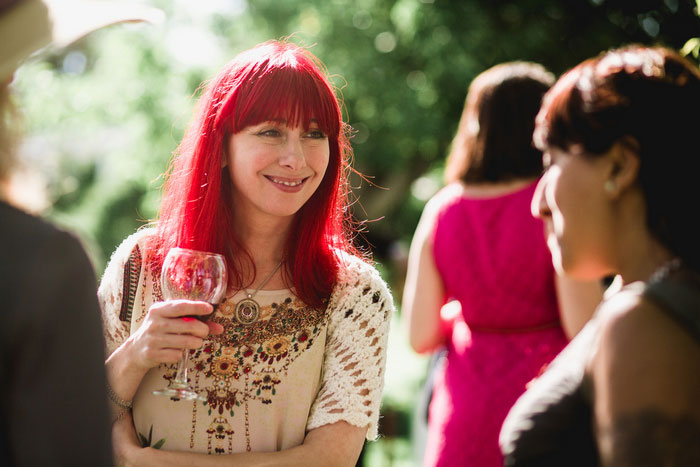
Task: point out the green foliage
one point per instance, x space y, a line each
107 113
692 46
105 116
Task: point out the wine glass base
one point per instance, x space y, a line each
180 393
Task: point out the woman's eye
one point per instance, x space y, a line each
269 132
316 134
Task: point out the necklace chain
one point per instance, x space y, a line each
267 279
664 270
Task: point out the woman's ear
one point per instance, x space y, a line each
624 166
225 147
224 154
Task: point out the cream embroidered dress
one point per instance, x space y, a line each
297 368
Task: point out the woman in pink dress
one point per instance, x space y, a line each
477 243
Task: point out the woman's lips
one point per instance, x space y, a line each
287 184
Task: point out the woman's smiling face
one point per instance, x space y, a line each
275 168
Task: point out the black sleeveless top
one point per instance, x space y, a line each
552 423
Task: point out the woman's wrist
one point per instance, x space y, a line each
120 406
131 364
123 375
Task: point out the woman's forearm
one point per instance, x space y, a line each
297 456
338 444
123 379
424 292
122 374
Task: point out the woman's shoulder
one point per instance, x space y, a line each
139 239
446 196
357 277
630 315
644 354
439 203
137 243
354 270
627 317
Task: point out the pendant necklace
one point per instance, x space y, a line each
248 310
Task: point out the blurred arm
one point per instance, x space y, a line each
645 388
337 444
424 292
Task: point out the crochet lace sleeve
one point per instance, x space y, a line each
120 276
355 355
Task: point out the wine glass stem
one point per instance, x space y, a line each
181 376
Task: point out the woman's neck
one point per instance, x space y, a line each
639 254
640 257
264 240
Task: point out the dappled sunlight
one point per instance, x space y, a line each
104 116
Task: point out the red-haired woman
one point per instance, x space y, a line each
260 177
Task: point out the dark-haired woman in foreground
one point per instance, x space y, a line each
619 135
260 178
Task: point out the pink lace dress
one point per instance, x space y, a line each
492 256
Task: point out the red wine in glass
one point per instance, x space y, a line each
191 275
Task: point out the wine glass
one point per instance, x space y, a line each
191 275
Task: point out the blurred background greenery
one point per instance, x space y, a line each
103 117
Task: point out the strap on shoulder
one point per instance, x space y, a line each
132 273
679 296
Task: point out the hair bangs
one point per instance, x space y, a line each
275 81
290 94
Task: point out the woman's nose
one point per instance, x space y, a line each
293 153
538 205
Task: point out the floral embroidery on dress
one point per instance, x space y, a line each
218 432
260 353
256 399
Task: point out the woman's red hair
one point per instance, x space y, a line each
275 80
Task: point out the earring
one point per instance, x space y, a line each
610 186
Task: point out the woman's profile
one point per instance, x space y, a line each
618 133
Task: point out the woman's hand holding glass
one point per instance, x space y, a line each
191 281
168 329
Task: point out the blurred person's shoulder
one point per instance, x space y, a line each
647 356
42 268
632 314
21 228
26 239
446 197
448 194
